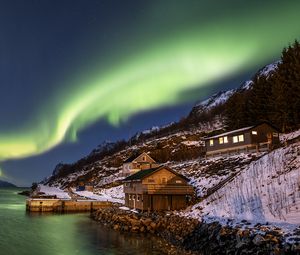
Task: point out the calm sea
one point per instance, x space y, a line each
68 234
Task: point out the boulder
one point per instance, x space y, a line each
258 240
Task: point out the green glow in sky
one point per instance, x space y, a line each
157 74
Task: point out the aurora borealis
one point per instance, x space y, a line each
134 57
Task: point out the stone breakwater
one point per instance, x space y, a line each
194 237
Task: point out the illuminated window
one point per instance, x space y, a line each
275 134
254 132
241 138
211 142
129 197
225 139
221 140
178 181
235 139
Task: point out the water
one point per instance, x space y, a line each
69 234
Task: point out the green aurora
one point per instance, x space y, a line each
156 74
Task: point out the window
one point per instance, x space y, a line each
221 140
129 197
241 138
151 180
225 139
133 197
211 142
178 181
254 132
138 198
144 158
164 180
235 139
275 134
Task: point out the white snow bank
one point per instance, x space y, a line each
192 143
265 191
114 192
51 191
98 197
289 136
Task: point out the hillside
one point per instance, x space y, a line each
176 142
4 184
264 192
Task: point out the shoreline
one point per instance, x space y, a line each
190 236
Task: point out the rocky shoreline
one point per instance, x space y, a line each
189 236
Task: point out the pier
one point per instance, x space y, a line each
64 205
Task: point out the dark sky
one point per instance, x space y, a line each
74 73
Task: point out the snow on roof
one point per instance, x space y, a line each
230 132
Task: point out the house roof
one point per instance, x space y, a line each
131 158
134 156
240 130
230 132
147 172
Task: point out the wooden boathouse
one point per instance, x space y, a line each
157 189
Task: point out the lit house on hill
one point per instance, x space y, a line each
138 162
255 138
157 189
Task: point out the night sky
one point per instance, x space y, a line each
74 73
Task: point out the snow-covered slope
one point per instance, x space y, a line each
268 69
215 100
267 190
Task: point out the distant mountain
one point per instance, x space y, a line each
221 97
4 184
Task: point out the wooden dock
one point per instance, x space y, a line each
64 205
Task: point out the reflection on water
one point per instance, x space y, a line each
68 234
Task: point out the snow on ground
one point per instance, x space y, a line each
124 208
289 136
193 143
51 191
114 192
247 85
99 196
267 190
269 69
216 99
207 173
